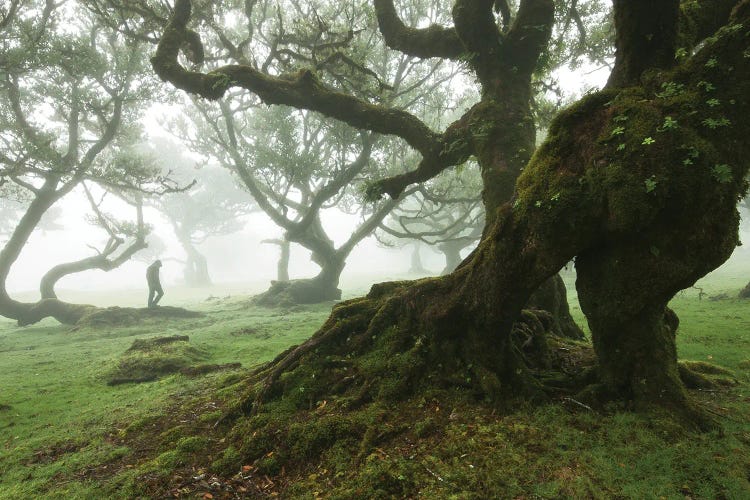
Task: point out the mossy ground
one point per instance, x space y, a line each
65 433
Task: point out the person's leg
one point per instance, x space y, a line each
151 293
159 295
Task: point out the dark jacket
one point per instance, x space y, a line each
152 275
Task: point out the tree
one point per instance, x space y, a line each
639 182
214 207
69 92
112 254
295 164
448 216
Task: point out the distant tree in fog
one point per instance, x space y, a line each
215 206
297 164
447 214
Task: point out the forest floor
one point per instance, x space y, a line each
66 433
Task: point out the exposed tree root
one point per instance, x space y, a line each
294 292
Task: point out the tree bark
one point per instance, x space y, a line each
416 266
101 262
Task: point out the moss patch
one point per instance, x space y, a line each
148 359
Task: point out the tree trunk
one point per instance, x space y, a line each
321 288
282 267
25 313
196 266
552 296
196 269
100 261
452 252
416 260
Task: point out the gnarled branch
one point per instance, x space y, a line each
433 41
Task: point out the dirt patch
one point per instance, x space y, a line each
5 407
252 331
55 452
148 359
126 316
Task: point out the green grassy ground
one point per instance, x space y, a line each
59 419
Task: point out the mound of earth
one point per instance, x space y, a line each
126 316
149 359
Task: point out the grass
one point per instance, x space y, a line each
60 424
57 413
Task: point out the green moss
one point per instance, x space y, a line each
149 359
174 434
191 444
425 427
228 463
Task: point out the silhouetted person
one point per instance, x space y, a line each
155 292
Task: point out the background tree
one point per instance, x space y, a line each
215 207
124 239
447 215
295 164
69 94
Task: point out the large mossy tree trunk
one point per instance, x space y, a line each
646 208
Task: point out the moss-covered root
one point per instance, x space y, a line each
303 291
402 339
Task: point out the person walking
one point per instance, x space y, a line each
155 291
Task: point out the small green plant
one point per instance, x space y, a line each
621 147
670 89
620 118
617 131
707 86
713 102
648 141
712 63
669 124
722 173
714 123
681 53
222 81
651 184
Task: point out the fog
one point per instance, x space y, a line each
240 261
